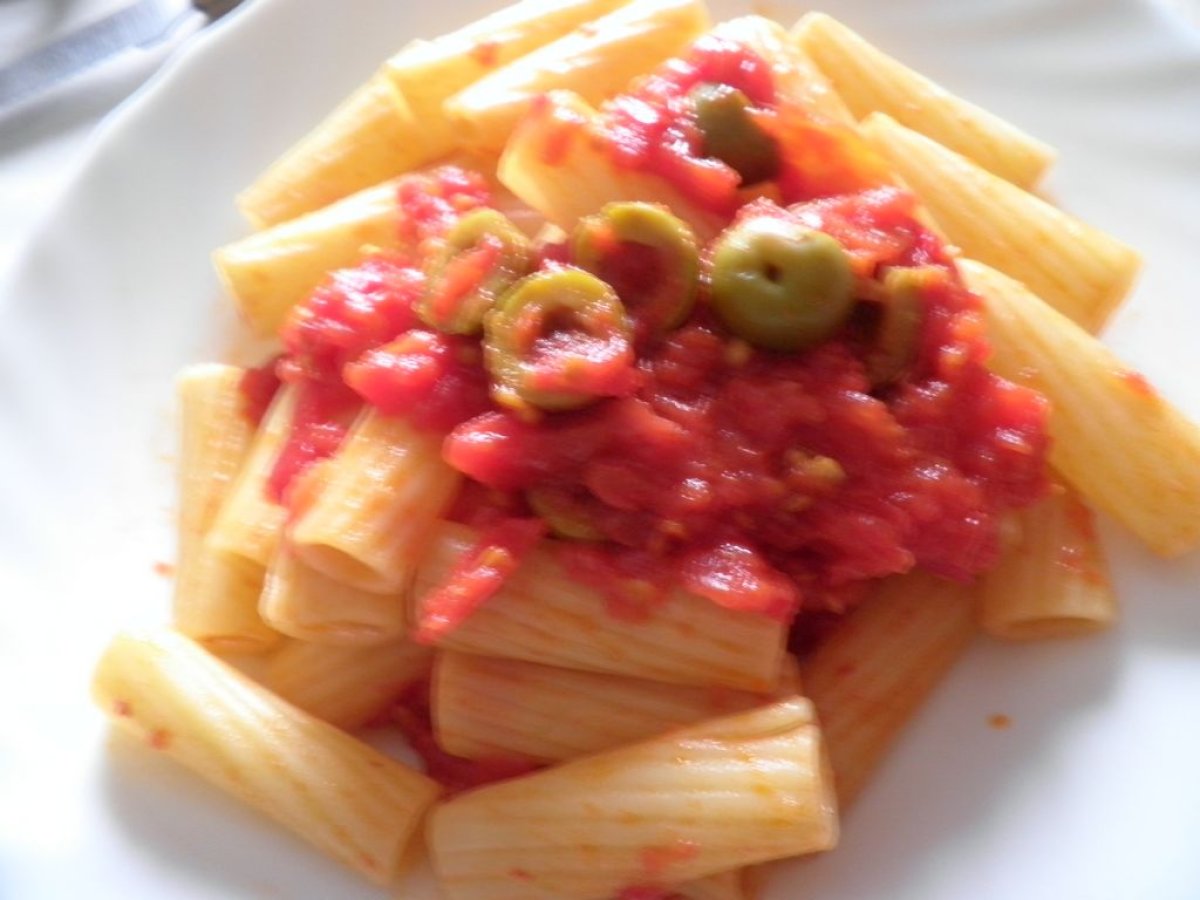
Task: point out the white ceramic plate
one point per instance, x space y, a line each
1091 794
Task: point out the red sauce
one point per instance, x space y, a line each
352 312
767 482
657 861
477 576
258 387
435 380
771 482
1138 384
164 569
430 203
323 413
486 53
653 129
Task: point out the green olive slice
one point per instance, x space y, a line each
564 513
729 133
482 255
648 255
897 336
558 339
780 285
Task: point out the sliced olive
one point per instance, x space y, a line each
648 255
564 512
780 285
558 339
482 255
729 133
898 334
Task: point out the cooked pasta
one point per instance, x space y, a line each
374 505
216 594
1054 581
547 616
485 706
869 80
1120 444
728 792
1077 269
346 686
332 790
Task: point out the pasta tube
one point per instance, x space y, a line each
369 137
303 603
505 707
557 163
428 73
1122 446
725 793
1080 271
596 63
345 686
334 791
543 614
869 80
216 594
1054 582
248 525
374 502
869 677
798 82
271 271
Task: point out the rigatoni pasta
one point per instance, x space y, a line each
869 80
872 673
346 686
545 615
1075 268
249 523
1151 482
583 178
429 73
487 706
371 136
270 271
303 603
1054 581
647 814
216 594
374 504
594 63
329 788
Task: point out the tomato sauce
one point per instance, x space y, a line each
257 387
771 483
653 129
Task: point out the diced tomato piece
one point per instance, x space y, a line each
477 577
